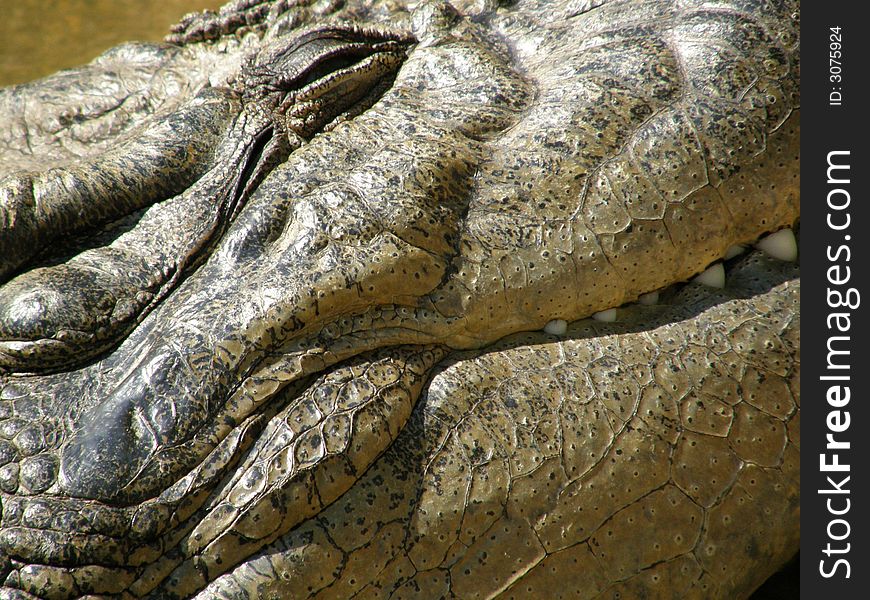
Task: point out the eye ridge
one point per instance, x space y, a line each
287 66
311 80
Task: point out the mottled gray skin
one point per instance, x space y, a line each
261 341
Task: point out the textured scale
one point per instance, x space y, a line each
284 373
518 472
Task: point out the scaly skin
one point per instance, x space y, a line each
613 464
314 399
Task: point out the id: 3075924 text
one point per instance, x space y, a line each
835 66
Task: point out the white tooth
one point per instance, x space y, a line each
556 327
735 250
649 299
714 276
606 316
780 245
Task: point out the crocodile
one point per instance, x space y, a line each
370 299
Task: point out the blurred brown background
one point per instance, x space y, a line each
38 37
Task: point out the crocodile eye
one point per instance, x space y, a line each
323 68
314 55
311 80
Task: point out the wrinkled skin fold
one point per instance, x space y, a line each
273 292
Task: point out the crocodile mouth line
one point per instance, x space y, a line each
240 444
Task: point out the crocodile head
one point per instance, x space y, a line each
266 283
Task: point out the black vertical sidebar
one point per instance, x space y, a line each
835 300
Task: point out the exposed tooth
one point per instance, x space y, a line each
649 299
606 316
735 250
714 276
780 245
556 327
